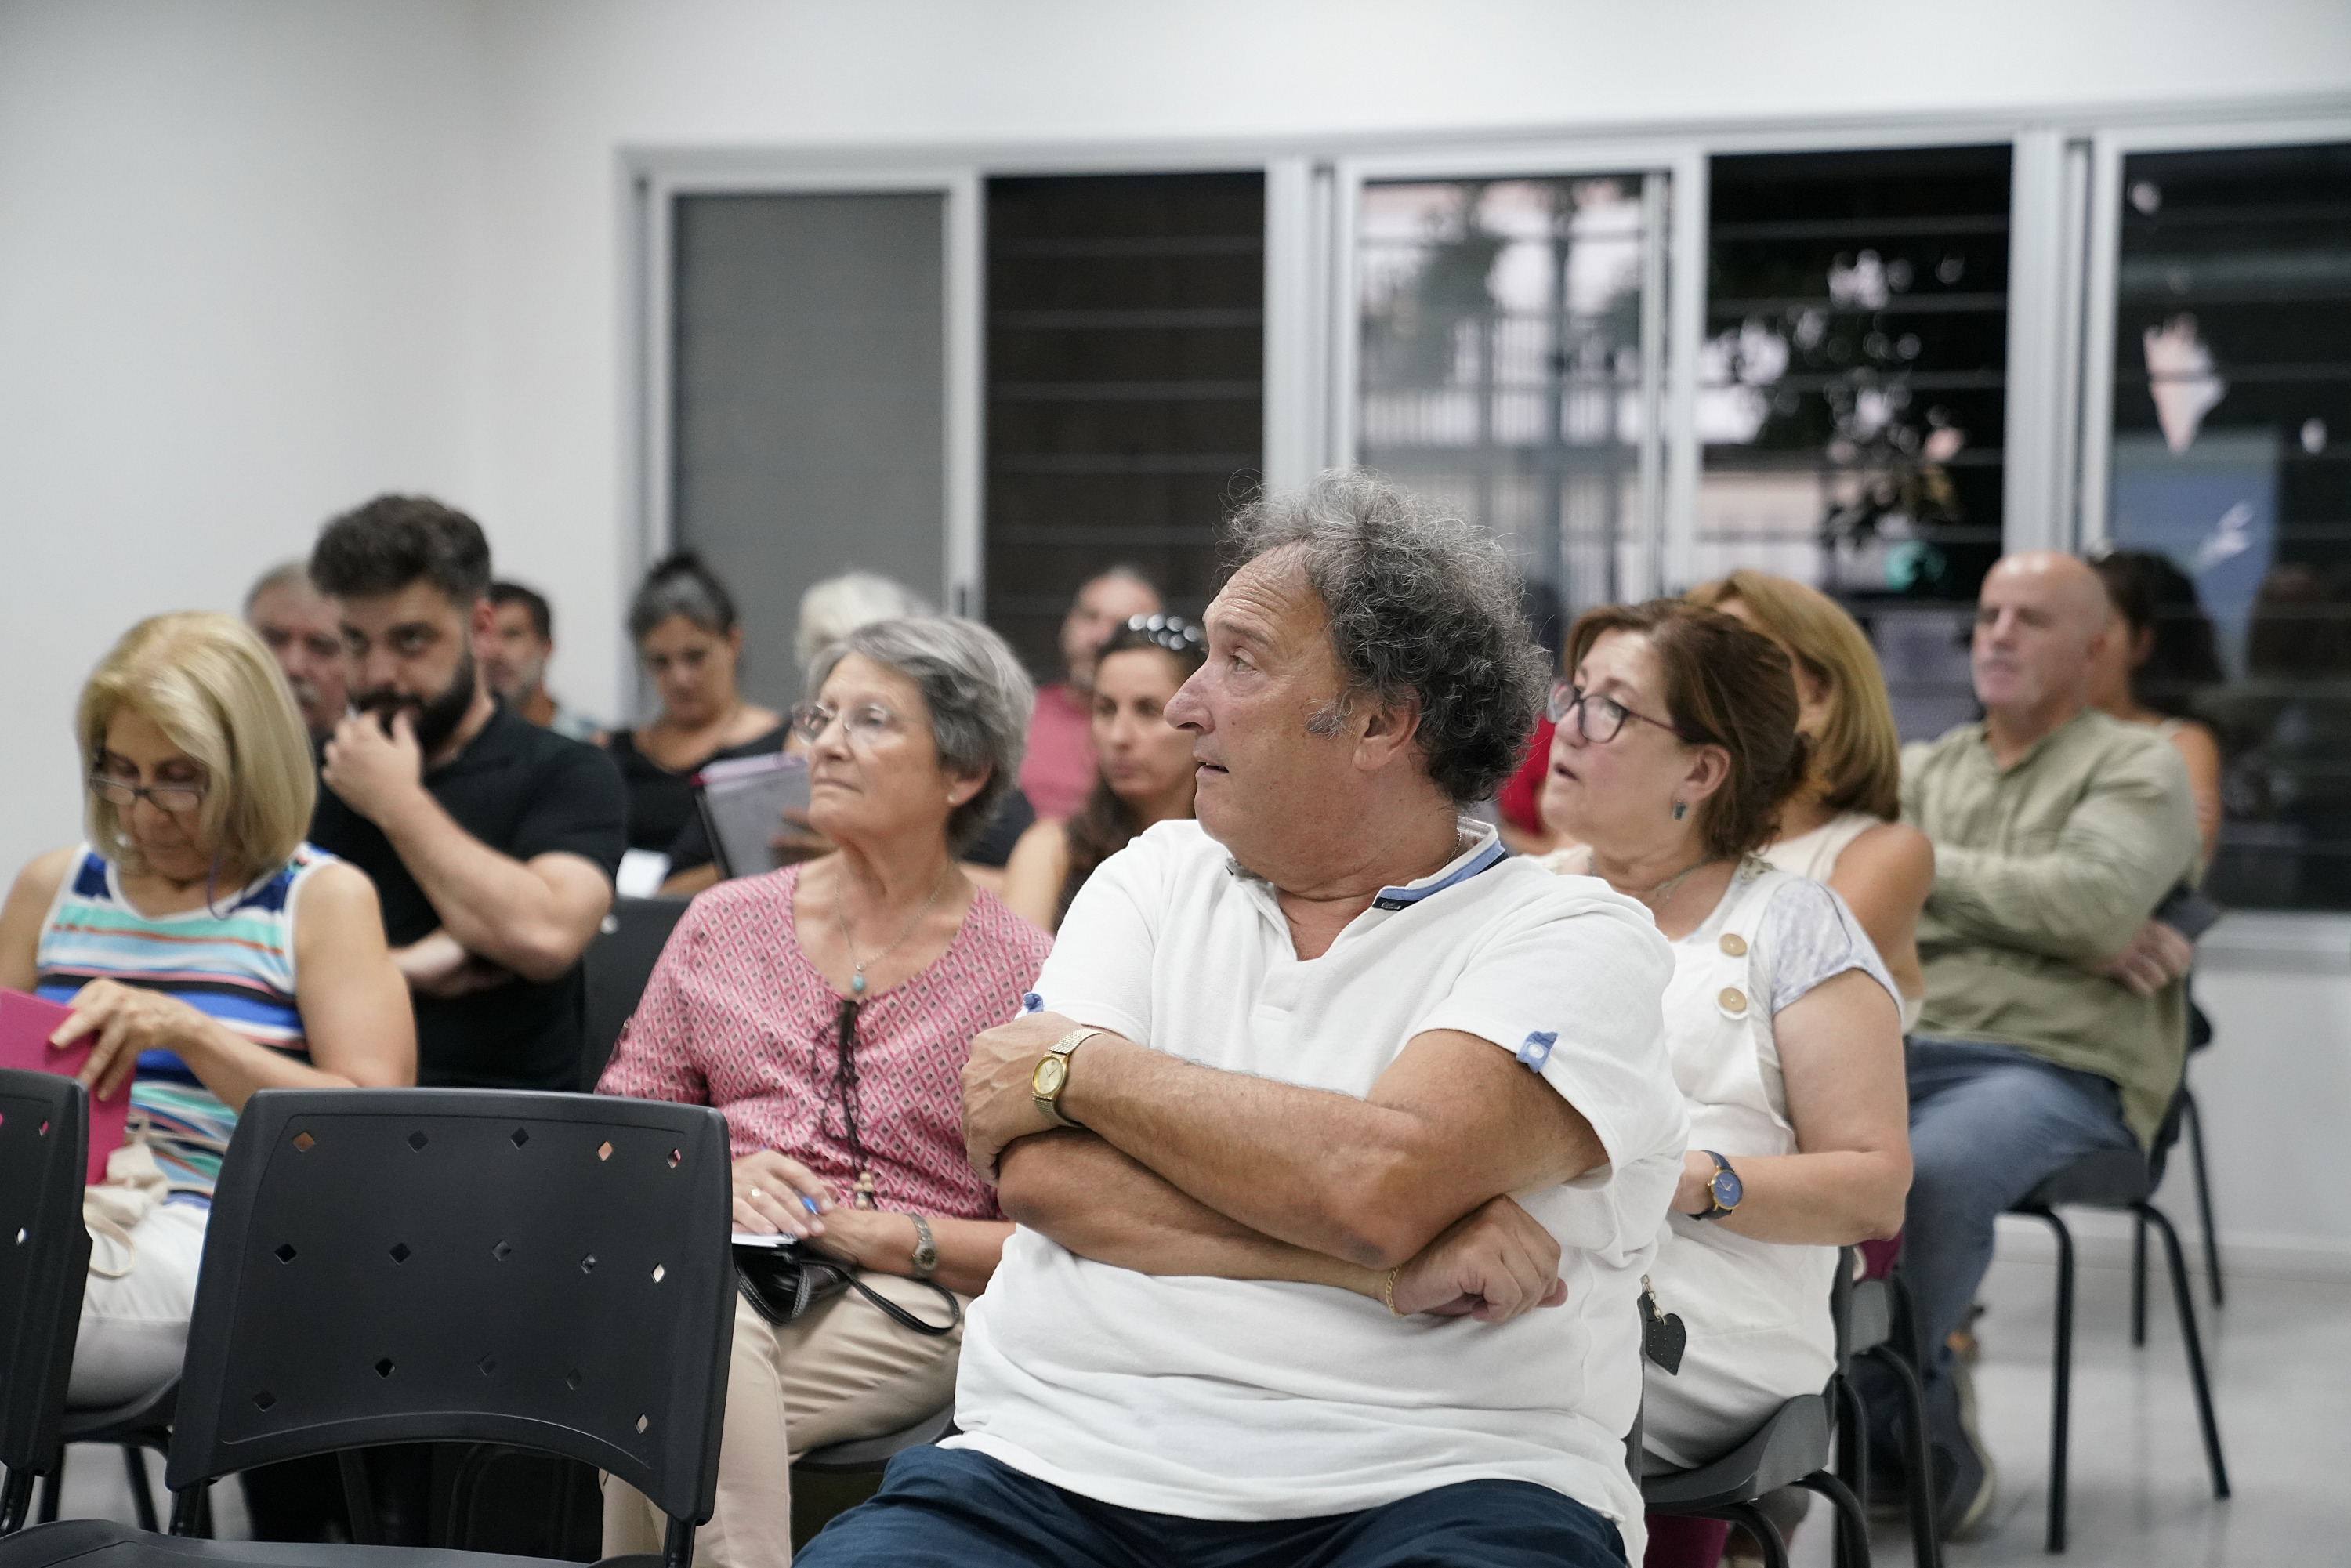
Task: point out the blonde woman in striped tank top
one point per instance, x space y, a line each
1843 826
205 948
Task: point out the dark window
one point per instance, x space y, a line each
1126 385
2231 410
1852 392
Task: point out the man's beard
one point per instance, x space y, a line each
436 718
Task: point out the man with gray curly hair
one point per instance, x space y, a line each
1337 1141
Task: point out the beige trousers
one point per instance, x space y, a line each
844 1370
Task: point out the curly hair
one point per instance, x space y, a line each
1421 605
1727 685
391 541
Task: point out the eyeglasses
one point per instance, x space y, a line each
865 724
162 796
1601 719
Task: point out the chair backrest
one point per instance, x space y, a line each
406 1265
43 1258
618 964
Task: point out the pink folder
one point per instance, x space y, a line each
25 1025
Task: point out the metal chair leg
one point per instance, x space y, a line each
2195 1344
53 1486
1852 1525
15 1498
1917 1459
1853 1436
1755 1522
142 1496
2062 1384
2138 1280
2194 1116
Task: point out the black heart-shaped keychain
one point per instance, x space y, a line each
1663 1338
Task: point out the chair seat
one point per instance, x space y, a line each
2104 1178
1790 1445
871 1453
102 1544
113 1423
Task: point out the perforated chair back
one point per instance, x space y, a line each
44 1259
407 1265
617 962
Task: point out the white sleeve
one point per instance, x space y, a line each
1807 936
1098 972
1575 990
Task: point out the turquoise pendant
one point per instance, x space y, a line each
857 984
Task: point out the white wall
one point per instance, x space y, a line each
260 260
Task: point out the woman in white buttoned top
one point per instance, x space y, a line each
1676 749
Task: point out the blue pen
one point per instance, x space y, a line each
807 1203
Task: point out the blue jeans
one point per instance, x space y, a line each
952 1508
1988 1124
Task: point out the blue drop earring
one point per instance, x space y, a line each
1681 810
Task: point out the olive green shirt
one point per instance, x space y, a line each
2040 868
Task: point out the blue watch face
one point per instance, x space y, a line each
1727 1189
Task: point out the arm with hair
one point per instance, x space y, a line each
2081 898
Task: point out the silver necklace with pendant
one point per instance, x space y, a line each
849 944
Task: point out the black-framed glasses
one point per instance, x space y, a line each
1599 719
162 796
863 723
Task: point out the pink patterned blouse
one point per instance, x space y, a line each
735 1016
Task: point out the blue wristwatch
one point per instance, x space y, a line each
1724 1189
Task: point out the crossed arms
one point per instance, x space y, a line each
1186 1169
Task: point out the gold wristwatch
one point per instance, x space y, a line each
1053 1074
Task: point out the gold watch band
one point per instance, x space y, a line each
1053 1074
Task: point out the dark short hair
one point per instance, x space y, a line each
542 614
1421 604
395 541
1727 685
680 584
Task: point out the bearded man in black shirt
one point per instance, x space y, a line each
492 842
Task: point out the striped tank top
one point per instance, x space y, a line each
233 961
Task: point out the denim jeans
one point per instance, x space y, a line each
1988 1124
952 1508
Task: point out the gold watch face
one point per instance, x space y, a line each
1050 1074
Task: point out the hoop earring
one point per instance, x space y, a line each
1681 810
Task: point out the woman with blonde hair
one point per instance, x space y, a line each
1843 826
205 951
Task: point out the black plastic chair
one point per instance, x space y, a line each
44 1260
2113 1180
1879 1325
617 965
1790 1449
396 1266
2184 1116
134 1427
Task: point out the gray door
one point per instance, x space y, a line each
808 437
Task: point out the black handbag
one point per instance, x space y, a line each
783 1282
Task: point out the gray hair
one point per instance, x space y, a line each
979 698
681 584
285 574
834 608
1421 605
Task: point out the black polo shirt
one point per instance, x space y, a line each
524 791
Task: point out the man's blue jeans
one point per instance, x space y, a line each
952 1508
1988 1124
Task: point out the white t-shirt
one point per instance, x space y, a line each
1261 1400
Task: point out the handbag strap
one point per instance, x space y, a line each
907 1319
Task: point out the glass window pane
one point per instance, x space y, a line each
2232 400
1852 393
1500 365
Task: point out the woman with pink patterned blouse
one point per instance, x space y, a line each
827 1009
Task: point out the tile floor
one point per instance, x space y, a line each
2282 1374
